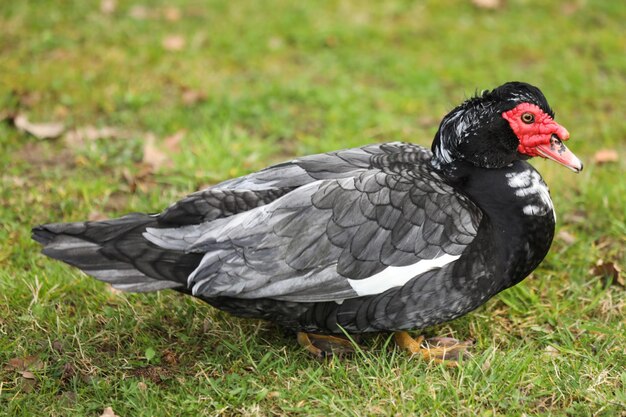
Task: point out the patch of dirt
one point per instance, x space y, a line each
156 374
38 155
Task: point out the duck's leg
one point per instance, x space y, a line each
444 350
322 346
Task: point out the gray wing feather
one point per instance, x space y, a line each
238 195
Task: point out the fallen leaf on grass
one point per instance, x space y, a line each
566 237
609 270
139 12
604 156
68 372
114 290
191 97
108 412
142 180
57 346
569 8
39 130
172 143
24 367
117 200
82 135
604 242
488 4
23 364
96 215
169 357
155 374
29 99
173 43
152 155
172 14
108 6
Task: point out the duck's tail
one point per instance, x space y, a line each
116 252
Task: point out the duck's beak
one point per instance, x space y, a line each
558 152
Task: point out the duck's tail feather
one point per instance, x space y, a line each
116 252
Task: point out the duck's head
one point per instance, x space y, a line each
511 122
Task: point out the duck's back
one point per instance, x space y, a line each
334 227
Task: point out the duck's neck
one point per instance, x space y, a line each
518 217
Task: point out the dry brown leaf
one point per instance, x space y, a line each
569 8
39 130
604 156
191 97
488 4
27 374
68 372
108 6
172 14
82 135
108 412
29 99
23 364
566 237
155 374
173 43
604 242
118 200
113 290
96 215
172 143
611 270
142 180
169 357
57 346
139 12
152 155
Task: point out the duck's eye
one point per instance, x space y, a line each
528 118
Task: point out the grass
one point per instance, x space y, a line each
280 79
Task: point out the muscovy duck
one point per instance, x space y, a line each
386 237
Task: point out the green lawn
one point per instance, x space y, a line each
251 83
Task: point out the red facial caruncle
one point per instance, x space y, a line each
540 135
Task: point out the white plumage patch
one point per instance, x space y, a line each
529 183
397 276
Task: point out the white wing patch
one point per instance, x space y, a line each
529 183
397 276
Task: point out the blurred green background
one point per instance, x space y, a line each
152 100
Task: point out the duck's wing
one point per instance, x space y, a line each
260 188
331 238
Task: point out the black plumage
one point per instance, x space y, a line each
384 237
